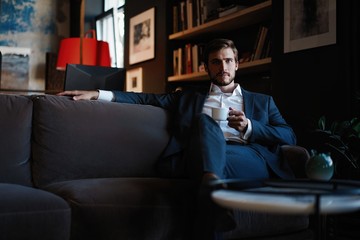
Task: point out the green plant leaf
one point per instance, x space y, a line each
355 122
322 123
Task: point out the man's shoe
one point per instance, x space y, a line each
209 178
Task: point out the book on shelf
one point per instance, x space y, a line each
202 16
183 16
177 61
195 57
210 9
224 11
255 43
191 13
197 12
260 44
266 51
175 19
187 59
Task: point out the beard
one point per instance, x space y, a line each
222 79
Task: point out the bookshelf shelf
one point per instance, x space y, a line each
244 68
249 16
255 66
197 76
242 18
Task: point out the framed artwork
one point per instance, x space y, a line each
134 80
142 37
309 24
15 70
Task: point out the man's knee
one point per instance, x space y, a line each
206 123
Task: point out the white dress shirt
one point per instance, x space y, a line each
216 98
106 95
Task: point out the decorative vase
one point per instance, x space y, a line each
319 166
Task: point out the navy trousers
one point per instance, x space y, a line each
208 151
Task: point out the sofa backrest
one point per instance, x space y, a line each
95 139
15 134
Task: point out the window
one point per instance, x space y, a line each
109 4
110 27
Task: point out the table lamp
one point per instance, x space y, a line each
86 51
83 50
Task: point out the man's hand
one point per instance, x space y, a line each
81 95
237 120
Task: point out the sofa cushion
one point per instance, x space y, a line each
29 213
128 208
15 133
95 139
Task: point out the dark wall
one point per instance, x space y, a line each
93 8
319 81
75 7
154 70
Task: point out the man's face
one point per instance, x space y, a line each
222 67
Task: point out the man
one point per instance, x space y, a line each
246 146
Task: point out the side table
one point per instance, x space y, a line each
300 196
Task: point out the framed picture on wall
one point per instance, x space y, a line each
309 24
134 80
15 71
142 37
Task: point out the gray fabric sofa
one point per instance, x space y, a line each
26 212
87 170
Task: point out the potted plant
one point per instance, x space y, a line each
342 140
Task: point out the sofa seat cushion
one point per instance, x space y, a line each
29 213
127 208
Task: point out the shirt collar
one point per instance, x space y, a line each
214 90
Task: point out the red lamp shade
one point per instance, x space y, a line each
103 54
93 52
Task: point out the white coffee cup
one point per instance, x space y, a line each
219 113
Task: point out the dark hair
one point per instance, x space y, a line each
216 45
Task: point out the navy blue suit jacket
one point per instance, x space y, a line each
269 129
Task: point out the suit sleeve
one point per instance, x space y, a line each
268 125
166 101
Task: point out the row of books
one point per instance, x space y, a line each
191 13
262 46
187 59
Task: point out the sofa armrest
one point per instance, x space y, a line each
296 156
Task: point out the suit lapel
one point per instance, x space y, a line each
200 101
248 100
